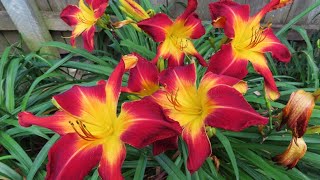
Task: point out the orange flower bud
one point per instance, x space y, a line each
297 112
293 154
133 10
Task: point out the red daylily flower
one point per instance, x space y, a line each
143 79
215 103
249 42
175 37
83 19
91 131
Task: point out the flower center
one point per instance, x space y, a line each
179 43
245 42
83 131
82 18
187 109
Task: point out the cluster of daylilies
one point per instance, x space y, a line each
169 102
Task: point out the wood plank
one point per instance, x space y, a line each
297 7
6 22
278 16
29 22
2 7
3 43
58 36
314 16
256 6
13 37
74 2
57 5
51 19
43 5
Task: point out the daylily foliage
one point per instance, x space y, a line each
168 101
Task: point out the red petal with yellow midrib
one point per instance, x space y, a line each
165 145
114 153
231 111
156 26
88 38
143 78
99 6
224 62
199 148
69 15
59 122
75 100
72 158
226 14
147 124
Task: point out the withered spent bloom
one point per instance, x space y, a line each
297 112
293 153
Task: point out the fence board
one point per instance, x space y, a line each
3 42
314 16
6 22
1 7
29 22
57 5
13 37
50 10
43 5
278 16
297 8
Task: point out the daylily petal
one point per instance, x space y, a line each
156 26
114 153
193 27
69 15
147 115
297 112
192 6
272 5
281 4
296 150
224 62
179 78
272 44
230 110
82 101
95 4
164 145
143 78
99 6
168 50
229 15
260 65
67 157
211 80
59 122
113 86
198 144
78 30
88 38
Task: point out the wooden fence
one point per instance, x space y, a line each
38 20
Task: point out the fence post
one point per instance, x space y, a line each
29 22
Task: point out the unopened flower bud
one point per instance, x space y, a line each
297 112
293 154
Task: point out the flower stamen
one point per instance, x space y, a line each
84 133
